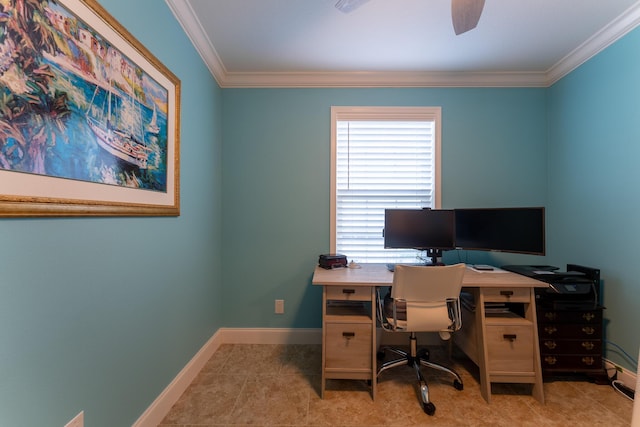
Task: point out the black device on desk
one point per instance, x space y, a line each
578 286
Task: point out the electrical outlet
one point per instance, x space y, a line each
279 306
77 421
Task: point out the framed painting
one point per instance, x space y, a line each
89 118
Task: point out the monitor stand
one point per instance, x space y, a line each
435 255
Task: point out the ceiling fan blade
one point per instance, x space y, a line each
465 14
347 6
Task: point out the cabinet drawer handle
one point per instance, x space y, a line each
550 344
348 291
506 293
550 330
348 335
550 360
588 361
588 345
509 337
550 316
588 330
588 316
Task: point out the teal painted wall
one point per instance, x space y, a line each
83 327
100 314
276 178
594 203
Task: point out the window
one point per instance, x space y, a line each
381 157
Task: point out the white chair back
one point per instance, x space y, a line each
428 293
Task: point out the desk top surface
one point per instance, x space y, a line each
379 275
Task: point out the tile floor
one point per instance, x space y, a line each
279 385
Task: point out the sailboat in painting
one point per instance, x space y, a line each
153 127
114 115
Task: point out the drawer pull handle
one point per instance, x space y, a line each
588 345
348 335
506 293
588 330
509 337
550 330
588 316
348 291
550 316
588 361
550 344
550 360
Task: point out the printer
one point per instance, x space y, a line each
578 287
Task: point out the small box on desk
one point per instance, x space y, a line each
330 261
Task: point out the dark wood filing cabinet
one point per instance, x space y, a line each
570 321
571 340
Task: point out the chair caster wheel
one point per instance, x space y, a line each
429 408
457 385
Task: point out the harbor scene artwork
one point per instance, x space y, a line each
74 106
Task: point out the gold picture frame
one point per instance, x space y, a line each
89 118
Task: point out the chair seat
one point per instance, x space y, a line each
437 315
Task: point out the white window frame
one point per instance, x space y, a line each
339 113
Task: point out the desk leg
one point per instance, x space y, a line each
374 344
324 340
530 314
483 354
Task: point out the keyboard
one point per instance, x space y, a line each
392 266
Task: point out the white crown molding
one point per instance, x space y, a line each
225 79
191 25
616 29
383 79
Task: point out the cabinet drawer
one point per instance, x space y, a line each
507 294
565 346
346 293
571 362
348 346
510 348
553 316
570 330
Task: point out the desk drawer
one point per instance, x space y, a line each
348 346
348 293
510 348
507 294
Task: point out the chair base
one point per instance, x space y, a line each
415 360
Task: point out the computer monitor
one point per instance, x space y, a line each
431 230
516 230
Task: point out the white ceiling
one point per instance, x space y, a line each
309 43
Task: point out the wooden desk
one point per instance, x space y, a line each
505 347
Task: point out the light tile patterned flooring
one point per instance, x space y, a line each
279 385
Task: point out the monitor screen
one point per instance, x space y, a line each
518 230
419 228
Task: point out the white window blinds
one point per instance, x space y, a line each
383 158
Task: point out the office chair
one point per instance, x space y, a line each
422 299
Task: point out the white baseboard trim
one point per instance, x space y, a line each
271 335
170 395
627 377
161 406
